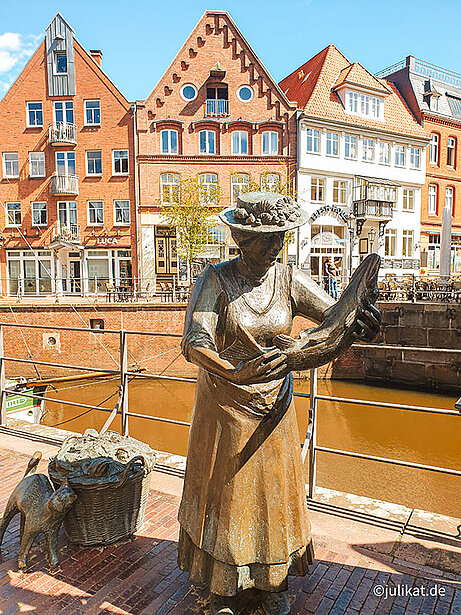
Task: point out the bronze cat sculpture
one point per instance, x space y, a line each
42 511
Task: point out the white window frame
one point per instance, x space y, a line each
399 155
40 163
332 144
269 138
67 105
210 142
45 209
384 153
432 197
234 184
434 149
408 199
339 192
168 182
91 110
350 143
8 223
10 164
87 167
169 149
208 186
313 140
240 138
365 105
368 145
450 197
114 161
34 111
390 242
318 188
125 222
96 210
407 243
57 53
68 154
415 157
451 150
270 182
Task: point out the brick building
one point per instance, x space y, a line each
361 167
433 94
67 198
218 115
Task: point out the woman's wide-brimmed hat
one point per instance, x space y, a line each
264 212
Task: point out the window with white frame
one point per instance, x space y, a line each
408 200
332 144
169 141
60 62
65 163
208 183
384 153
34 114
92 112
451 151
339 192
365 105
390 242
353 102
239 142
407 244
368 150
39 214
11 164
432 199
122 212
119 162
399 155
64 111
449 194
95 213
415 157
207 142
313 141
13 214
270 143
37 164
270 182
94 162
217 235
434 149
239 183
350 147
169 188
317 189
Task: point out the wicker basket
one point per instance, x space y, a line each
106 509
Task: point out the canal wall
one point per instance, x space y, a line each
411 325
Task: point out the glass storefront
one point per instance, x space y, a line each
29 273
433 253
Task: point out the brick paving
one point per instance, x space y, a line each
140 577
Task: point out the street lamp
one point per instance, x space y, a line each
371 237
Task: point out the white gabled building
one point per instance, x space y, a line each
361 166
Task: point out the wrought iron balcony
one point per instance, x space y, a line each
61 133
216 107
66 232
64 184
377 210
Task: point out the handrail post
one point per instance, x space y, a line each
313 439
124 382
2 381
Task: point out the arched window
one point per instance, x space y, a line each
169 141
270 182
270 143
432 199
239 183
169 188
240 142
450 199
451 152
208 188
434 149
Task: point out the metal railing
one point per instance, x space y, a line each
62 132
309 446
216 107
64 184
66 232
373 209
414 288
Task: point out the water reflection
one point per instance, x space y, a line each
413 436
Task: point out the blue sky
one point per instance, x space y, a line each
139 39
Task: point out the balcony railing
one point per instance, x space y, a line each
64 184
66 232
216 107
61 133
373 209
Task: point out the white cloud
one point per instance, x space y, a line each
10 40
15 50
7 61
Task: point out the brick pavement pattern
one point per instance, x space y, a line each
140 577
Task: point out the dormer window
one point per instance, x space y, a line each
365 105
61 62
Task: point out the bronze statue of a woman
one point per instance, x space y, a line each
243 515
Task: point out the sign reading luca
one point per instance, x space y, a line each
107 241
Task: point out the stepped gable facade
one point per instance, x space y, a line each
361 166
67 198
218 115
433 94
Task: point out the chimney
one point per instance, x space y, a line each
96 54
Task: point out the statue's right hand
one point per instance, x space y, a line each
268 366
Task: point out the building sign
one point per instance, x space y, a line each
329 209
106 241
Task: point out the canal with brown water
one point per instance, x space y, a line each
421 437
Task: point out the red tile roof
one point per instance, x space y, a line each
313 86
